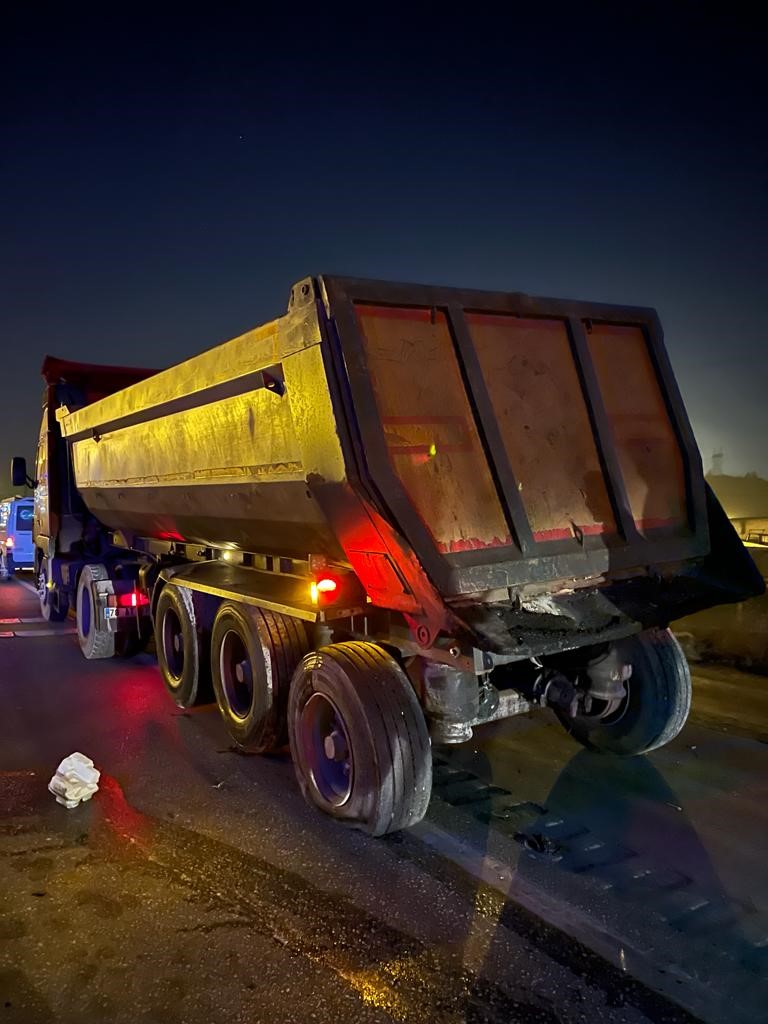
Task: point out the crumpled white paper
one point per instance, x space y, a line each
76 779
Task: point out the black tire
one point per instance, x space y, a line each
95 642
181 647
54 605
657 703
130 642
253 656
359 740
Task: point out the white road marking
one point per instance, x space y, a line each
46 632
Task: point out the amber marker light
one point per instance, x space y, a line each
325 585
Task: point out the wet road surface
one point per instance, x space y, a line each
197 886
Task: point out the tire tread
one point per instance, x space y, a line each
396 728
100 643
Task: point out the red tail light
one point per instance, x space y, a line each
133 599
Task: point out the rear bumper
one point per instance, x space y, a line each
618 608
25 562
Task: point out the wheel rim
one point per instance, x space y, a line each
236 674
326 749
608 712
42 586
173 646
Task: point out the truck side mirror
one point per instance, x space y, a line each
19 476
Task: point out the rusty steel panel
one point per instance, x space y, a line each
438 377
430 433
648 451
536 395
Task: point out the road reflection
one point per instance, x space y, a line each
612 845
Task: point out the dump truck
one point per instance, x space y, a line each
388 517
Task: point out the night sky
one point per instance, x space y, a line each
165 180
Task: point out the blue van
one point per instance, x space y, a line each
17 547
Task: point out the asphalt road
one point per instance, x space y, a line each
546 884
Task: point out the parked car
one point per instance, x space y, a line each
17 548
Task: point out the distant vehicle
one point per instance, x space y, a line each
392 515
17 546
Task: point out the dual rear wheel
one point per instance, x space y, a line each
253 656
357 735
245 661
181 646
359 740
96 641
